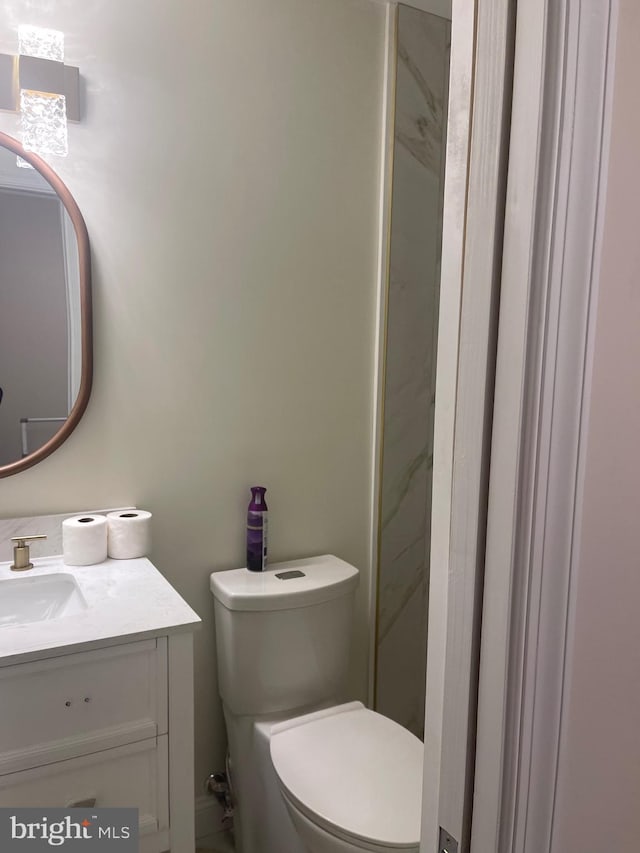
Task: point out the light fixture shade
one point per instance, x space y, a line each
43 123
40 42
42 80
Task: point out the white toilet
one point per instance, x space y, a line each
309 775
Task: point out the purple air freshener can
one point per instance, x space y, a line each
257 530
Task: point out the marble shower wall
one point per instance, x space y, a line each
414 282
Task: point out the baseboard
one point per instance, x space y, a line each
208 816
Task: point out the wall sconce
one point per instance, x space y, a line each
44 90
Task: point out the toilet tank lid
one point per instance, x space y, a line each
285 586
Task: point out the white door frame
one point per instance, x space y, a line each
564 62
479 103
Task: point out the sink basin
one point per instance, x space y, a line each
34 599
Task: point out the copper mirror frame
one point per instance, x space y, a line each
86 340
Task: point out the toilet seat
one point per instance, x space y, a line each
353 772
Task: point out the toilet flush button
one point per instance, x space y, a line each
294 573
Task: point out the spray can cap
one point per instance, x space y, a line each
257 498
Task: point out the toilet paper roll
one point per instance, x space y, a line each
84 540
129 534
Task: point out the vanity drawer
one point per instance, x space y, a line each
77 704
133 776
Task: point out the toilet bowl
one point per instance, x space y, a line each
351 780
310 774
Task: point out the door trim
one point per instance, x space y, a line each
479 103
564 63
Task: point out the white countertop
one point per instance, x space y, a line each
127 600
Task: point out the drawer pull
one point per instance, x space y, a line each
68 703
87 698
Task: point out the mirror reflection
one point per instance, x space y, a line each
40 322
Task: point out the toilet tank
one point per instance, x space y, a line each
283 636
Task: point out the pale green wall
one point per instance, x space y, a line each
227 167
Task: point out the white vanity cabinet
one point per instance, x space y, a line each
110 726
107 721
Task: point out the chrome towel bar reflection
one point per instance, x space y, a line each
24 423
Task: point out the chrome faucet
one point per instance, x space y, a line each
21 561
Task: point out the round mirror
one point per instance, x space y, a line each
45 310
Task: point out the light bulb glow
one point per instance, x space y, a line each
43 123
43 113
40 42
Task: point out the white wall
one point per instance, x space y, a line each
227 167
599 774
